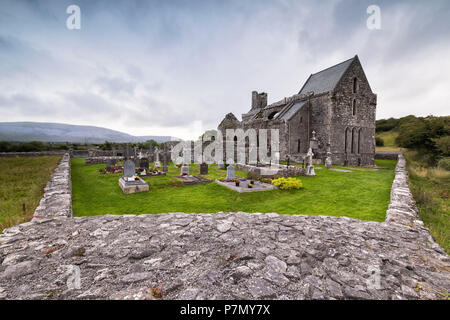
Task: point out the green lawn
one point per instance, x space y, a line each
363 194
22 182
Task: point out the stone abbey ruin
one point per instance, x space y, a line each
336 105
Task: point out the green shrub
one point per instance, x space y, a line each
444 163
5 146
387 124
443 145
379 142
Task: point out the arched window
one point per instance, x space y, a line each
346 140
354 107
355 85
298 145
301 119
359 141
353 141
235 139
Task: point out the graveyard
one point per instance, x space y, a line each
362 193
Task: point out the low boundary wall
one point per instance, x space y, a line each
31 154
57 199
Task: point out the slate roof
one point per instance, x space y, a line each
290 110
326 80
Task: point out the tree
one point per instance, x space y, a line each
5 146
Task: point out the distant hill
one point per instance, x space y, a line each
58 132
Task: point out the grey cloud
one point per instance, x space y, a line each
115 86
137 65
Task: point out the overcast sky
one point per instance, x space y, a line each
178 67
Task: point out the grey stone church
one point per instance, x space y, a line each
334 113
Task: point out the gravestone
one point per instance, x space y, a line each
204 168
135 156
130 183
309 167
111 163
313 142
157 163
150 152
230 173
143 163
165 158
328 162
184 170
129 169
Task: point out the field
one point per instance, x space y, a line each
389 142
363 194
22 182
430 187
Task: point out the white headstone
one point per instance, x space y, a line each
310 168
185 170
230 172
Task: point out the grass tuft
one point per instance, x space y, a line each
22 183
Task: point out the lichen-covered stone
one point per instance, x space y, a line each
223 255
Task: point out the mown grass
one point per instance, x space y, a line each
362 194
430 187
22 182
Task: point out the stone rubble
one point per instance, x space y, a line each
221 255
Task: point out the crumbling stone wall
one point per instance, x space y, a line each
387 155
57 199
31 154
100 160
284 171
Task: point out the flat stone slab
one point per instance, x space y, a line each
341 170
153 174
220 256
192 180
243 186
129 187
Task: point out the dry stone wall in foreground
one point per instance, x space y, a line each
221 255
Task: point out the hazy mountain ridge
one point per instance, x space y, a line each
59 132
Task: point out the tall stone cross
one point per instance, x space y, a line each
165 158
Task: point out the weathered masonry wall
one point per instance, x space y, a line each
402 207
100 160
31 154
57 199
283 171
387 155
